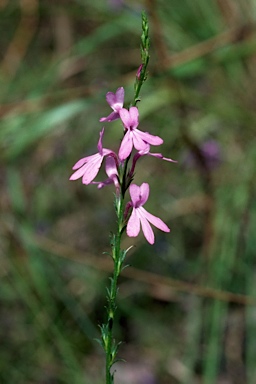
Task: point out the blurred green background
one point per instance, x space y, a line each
187 305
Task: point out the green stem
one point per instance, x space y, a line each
118 255
110 345
144 49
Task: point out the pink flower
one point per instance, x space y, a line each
116 102
139 196
143 153
112 172
133 136
88 167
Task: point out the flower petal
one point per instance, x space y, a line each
144 193
125 117
111 98
85 160
81 162
86 167
99 146
76 175
146 228
160 156
116 100
139 195
119 98
126 146
156 221
102 184
134 117
91 170
148 138
134 193
110 167
133 225
138 143
113 116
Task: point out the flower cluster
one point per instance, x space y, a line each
116 166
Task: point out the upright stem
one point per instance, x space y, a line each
110 346
144 50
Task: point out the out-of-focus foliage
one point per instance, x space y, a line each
187 304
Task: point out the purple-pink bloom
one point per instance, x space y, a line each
88 167
112 172
139 216
116 102
133 136
143 153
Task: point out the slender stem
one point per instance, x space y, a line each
118 255
144 49
110 345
